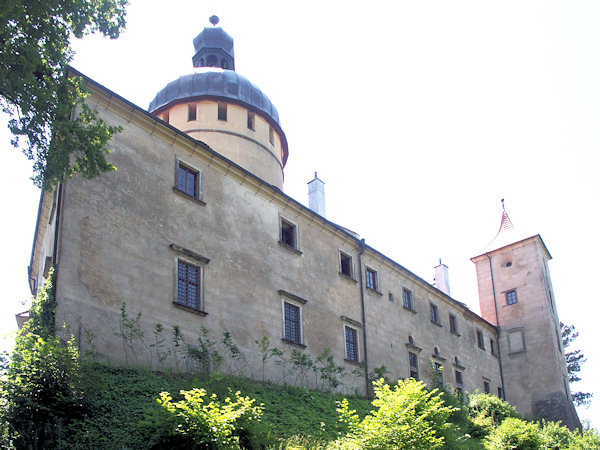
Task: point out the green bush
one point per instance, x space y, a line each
407 417
514 433
202 421
487 412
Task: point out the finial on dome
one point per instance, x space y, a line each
214 20
502 201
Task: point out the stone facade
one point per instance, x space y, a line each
263 264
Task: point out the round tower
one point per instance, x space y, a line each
218 106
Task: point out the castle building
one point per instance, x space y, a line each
193 230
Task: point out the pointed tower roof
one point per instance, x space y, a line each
507 235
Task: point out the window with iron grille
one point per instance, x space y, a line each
292 323
187 180
413 363
351 336
371 279
346 265
288 234
407 299
188 285
511 297
434 313
458 377
453 327
480 340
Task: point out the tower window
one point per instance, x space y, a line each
511 297
191 112
271 135
165 116
222 112
224 64
250 121
211 61
346 265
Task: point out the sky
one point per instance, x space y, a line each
418 116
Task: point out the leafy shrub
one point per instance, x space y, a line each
554 436
487 412
585 440
196 422
514 433
407 417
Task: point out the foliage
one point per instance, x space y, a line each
35 51
202 420
514 433
553 435
487 412
266 353
206 354
407 417
327 371
574 361
129 331
40 388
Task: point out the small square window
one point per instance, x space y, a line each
458 377
486 387
251 119
453 326
188 180
351 338
511 297
288 234
222 111
413 363
346 265
434 313
480 340
189 286
407 299
191 112
292 323
371 279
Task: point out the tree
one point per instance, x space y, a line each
40 97
574 360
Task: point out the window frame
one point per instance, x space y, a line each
371 282
453 323
198 193
480 339
251 121
295 235
347 356
434 313
193 259
192 112
511 297
458 378
343 255
287 337
408 299
222 111
415 367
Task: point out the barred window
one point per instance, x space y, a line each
413 363
351 336
188 285
187 180
292 323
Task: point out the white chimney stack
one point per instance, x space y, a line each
316 196
442 282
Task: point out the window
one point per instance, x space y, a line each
191 112
499 392
407 299
166 116
458 377
188 285
486 387
413 363
271 135
371 279
292 323
351 337
439 374
222 112
346 265
288 234
480 340
453 328
391 297
188 180
434 313
493 347
511 297
250 121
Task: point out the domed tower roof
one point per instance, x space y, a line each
215 79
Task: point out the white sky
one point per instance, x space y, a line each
419 117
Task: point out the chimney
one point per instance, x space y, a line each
442 281
316 196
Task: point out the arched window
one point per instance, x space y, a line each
411 341
224 64
211 61
436 351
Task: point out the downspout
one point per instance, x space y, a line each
497 327
364 315
57 226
